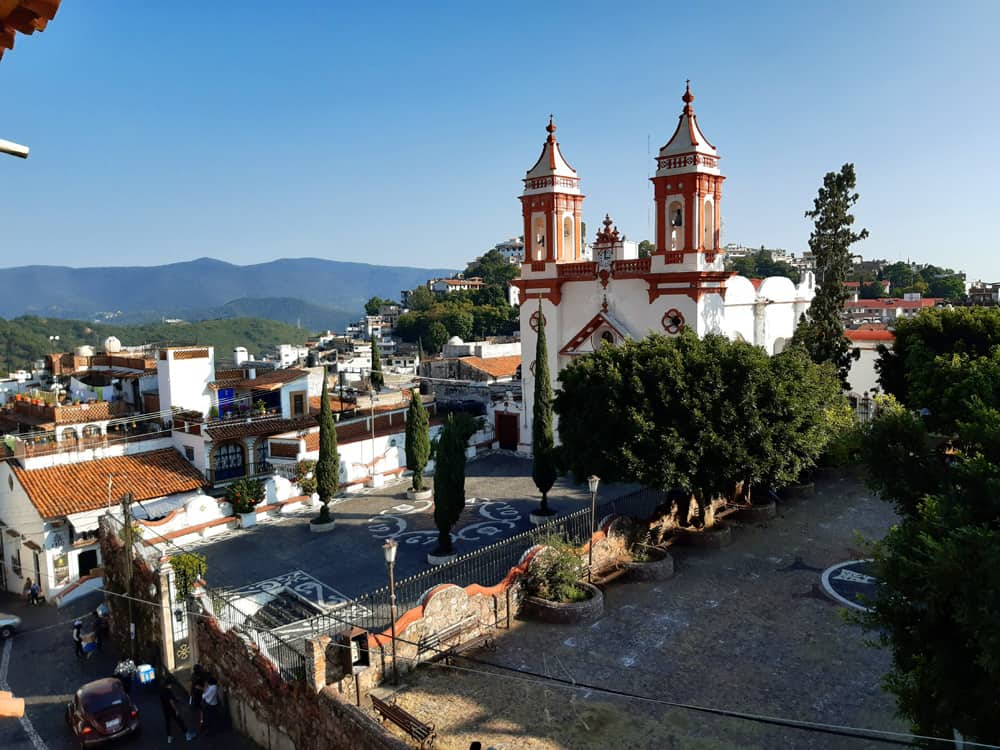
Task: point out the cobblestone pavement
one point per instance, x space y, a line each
746 628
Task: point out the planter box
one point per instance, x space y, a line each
424 494
659 567
757 511
718 536
433 559
322 528
248 520
566 613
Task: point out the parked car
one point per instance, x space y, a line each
8 624
101 711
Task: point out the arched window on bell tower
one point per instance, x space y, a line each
675 225
567 239
538 238
709 224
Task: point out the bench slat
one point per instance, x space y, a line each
404 720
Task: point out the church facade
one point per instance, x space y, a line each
615 295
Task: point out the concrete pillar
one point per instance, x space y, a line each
166 615
316 662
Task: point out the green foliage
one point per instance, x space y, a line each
376 377
555 572
449 477
305 476
822 332
188 568
25 339
646 248
543 442
871 290
245 495
847 438
418 439
328 465
436 338
421 298
972 331
494 269
696 414
761 265
373 305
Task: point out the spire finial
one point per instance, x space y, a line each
551 127
688 96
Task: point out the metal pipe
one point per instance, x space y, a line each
14 149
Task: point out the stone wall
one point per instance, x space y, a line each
281 715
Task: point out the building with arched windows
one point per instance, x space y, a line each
614 295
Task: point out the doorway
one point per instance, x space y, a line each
507 432
86 561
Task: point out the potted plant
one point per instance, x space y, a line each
553 585
418 447
305 478
245 495
646 562
706 531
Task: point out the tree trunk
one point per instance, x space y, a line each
444 541
544 505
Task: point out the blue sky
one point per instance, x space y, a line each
399 133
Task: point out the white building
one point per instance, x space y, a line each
587 304
512 250
290 355
863 377
447 286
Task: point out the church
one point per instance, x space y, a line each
614 295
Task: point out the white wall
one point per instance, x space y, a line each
198 443
184 382
862 376
20 515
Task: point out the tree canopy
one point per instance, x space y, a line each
543 442
494 269
761 264
418 440
822 330
702 415
929 280
328 464
449 476
376 377
373 305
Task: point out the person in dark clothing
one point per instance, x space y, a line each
78 637
170 715
198 683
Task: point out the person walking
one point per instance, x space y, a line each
34 592
78 637
210 705
171 715
198 684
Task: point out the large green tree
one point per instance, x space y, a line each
449 477
701 415
328 464
761 264
543 442
494 269
822 330
376 377
418 440
421 298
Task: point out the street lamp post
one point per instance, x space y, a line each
389 549
592 481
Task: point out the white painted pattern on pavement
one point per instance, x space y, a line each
26 725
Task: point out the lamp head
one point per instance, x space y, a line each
389 550
592 481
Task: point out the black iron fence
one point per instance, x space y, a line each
291 661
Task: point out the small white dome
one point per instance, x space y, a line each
455 340
84 351
112 345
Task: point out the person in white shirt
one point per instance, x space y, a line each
210 705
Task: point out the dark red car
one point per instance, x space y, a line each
100 712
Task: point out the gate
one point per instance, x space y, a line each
507 432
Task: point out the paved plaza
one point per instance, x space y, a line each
348 561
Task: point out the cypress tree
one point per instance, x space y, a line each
543 442
328 465
449 481
377 380
821 331
418 441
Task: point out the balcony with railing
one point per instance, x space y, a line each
220 475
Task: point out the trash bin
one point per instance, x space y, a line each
146 674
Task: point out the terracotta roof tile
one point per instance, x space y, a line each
236 429
870 335
73 488
496 367
269 380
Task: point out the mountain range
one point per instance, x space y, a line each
310 292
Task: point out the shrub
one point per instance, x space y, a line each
245 495
188 568
305 476
555 572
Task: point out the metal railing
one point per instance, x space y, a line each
291 662
245 471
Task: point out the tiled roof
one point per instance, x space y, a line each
887 304
73 488
870 335
26 16
495 367
236 429
265 381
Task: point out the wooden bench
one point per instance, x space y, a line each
437 643
422 733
